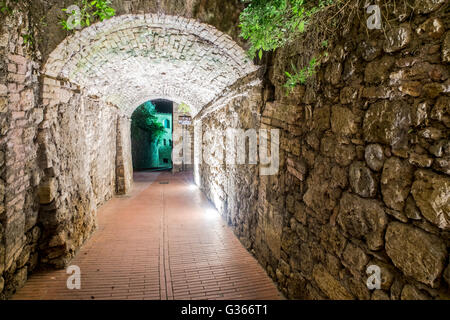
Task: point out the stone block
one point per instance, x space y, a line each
410 292
377 71
427 6
411 210
363 219
348 95
420 160
3 105
396 181
329 285
344 154
433 90
411 88
417 253
432 195
355 259
18 280
397 38
380 295
343 121
446 275
362 180
387 123
441 110
374 156
446 48
2 258
47 190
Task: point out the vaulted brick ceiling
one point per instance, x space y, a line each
130 59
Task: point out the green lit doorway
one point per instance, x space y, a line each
152 135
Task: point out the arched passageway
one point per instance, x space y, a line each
93 83
112 68
358 180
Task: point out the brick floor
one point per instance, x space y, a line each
165 241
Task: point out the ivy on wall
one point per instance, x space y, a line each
270 24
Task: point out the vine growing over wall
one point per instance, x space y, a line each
271 24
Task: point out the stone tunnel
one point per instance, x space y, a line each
364 153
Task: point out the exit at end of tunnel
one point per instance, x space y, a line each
151 135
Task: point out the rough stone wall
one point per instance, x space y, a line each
364 151
78 154
232 188
365 164
19 117
57 162
101 130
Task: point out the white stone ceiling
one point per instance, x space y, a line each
130 59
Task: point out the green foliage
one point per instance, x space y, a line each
89 12
184 108
144 119
6 7
270 24
28 39
300 76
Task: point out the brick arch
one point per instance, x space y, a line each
131 58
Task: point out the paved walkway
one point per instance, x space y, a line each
165 242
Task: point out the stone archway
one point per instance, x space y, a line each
133 58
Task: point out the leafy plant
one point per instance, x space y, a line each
270 24
6 6
28 39
300 76
144 118
86 13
